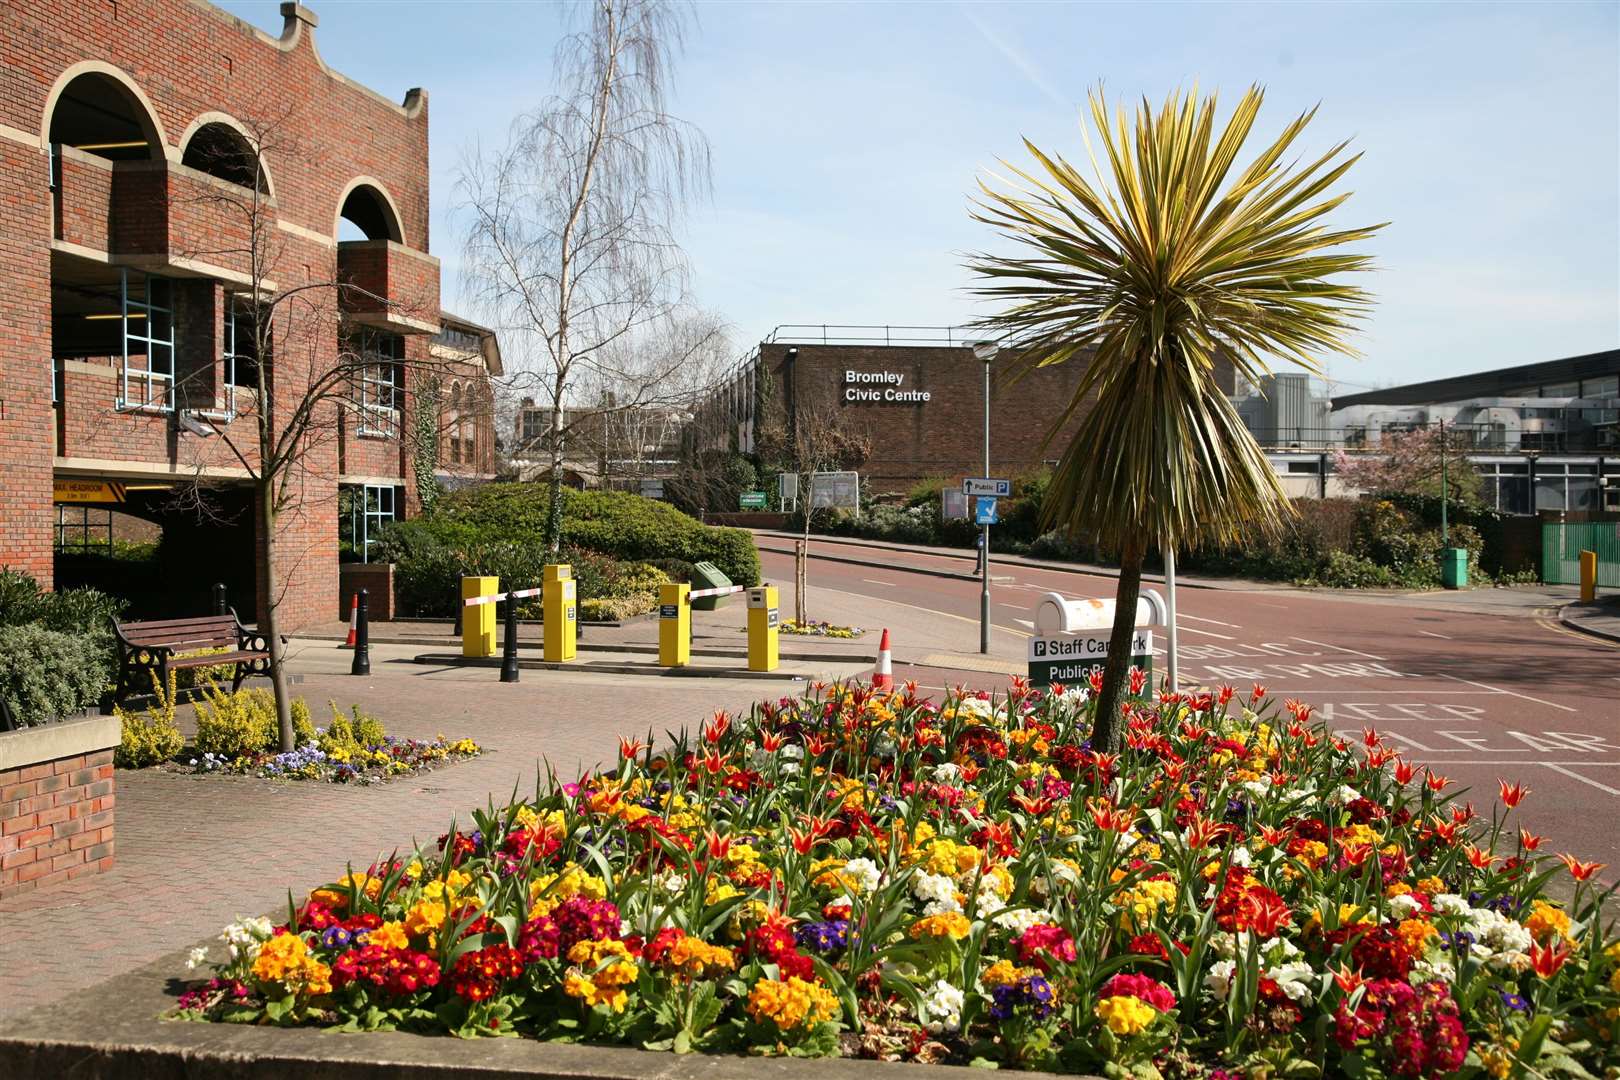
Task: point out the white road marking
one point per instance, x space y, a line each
1025 622
1573 775
875 581
1340 648
1515 693
1431 633
1198 618
1206 633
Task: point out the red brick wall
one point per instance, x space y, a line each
187 59
56 821
942 437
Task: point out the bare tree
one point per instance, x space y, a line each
572 242
280 323
817 438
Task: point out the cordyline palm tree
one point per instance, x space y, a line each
1170 262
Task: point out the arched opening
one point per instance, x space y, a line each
366 214
221 151
99 115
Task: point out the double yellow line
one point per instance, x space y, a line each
1547 619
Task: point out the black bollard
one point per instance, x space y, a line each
362 640
219 599
509 667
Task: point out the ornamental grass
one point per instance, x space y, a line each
873 874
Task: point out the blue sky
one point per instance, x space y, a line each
846 138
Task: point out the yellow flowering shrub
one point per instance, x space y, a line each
791 1003
286 960
1126 1015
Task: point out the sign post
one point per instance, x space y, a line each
984 491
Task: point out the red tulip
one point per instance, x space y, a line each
1545 960
1404 771
1578 870
630 748
1528 840
1436 782
1512 794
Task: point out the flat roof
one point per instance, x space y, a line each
1502 382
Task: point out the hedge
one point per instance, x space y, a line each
624 526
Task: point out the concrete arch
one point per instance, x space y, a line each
396 222
147 114
202 120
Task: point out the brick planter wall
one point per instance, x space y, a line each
56 803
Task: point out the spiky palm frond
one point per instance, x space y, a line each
1173 259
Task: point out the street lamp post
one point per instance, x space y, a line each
986 351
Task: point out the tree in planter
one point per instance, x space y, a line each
279 326
818 438
572 240
1170 263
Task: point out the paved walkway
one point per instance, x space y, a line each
195 852
1600 618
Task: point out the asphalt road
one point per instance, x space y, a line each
1475 696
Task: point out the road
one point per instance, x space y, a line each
1476 696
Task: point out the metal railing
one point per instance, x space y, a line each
848 334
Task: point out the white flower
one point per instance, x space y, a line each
947 773
196 957
863 874
1258 788
1346 794
926 886
671 882
793 751
1219 978
1241 857
790 769
990 902
1022 919
1450 904
1404 906
977 708
1294 979
944 1004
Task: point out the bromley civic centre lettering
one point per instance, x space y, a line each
891 383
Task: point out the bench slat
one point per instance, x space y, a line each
217 658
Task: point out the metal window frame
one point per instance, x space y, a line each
148 377
362 531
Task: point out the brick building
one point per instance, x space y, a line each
917 393
164 168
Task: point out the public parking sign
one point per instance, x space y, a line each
984 510
985 485
1072 658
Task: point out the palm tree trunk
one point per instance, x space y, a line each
1116 670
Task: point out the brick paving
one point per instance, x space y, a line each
194 852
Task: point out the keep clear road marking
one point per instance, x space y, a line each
1514 693
1573 775
1340 648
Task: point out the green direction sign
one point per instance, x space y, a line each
1071 658
753 500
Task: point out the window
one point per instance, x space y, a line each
1607 386
1561 486
364 510
147 313
380 393
1505 486
240 354
1566 389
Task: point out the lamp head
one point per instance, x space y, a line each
986 350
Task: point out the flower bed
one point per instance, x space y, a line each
820 629
870 874
370 764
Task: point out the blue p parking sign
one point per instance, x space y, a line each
984 510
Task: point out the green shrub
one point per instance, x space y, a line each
614 523
604 609
83 613
244 722
348 734
608 540
46 674
151 736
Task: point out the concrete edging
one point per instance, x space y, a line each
111 1032
1580 626
597 667
52 742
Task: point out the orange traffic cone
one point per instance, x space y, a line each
882 676
354 620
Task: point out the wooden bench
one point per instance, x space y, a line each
149 647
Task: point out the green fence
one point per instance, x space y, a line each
1562 544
